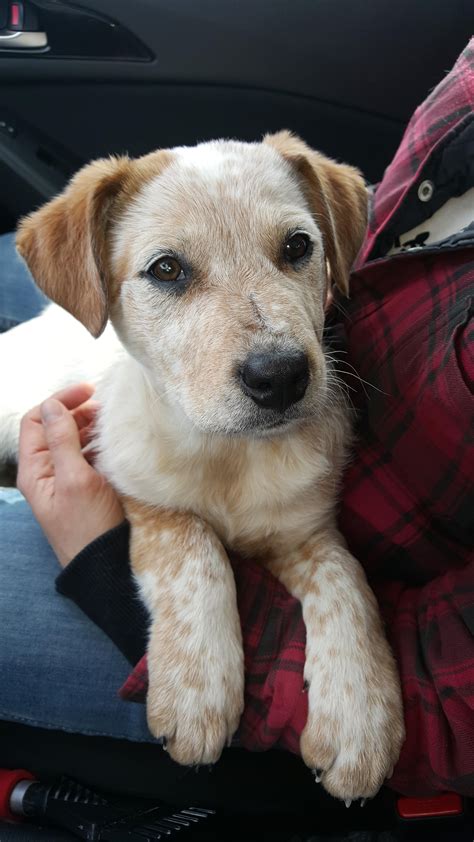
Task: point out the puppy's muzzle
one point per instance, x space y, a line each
275 380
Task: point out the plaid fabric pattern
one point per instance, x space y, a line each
443 110
274 638
407 506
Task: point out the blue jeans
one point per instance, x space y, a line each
57 669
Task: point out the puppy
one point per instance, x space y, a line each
222 426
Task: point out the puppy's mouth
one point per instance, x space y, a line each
282 422
276 425
277 428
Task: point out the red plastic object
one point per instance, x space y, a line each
9 778
447 804
15 15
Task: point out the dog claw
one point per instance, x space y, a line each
363 802
318 774
348 802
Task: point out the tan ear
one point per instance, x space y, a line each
64 243
337 197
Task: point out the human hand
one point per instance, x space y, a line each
72 502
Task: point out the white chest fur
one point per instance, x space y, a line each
259 492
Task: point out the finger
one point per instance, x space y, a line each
34 457
86 435
90 455
74 395
85 414
71 397
33 470
62 437
32 438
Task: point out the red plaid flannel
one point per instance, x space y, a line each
407 504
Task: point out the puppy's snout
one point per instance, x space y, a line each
275 380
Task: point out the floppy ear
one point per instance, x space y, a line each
337 197
64 243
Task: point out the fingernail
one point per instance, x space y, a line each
51 410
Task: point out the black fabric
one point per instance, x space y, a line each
451 169
32 833
99 580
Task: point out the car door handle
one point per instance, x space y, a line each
46 29
23 40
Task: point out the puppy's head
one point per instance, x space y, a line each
212 263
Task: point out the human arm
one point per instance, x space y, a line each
81 516
72 501
100 581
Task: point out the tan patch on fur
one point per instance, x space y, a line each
325 736
66 242
149 525
338 197
313 588
330 576
321 622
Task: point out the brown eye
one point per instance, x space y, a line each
296 247
167 269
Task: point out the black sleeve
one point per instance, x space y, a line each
99 580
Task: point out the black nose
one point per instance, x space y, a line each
275 380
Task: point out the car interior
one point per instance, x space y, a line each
80 80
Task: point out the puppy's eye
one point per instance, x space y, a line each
166 269
296 247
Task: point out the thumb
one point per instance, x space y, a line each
62 435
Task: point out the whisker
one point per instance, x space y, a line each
341 309
337 351
338 388
366 382
341 383
330 357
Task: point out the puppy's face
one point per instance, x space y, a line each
212 262
222 288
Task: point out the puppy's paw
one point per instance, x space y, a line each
355 728
195 701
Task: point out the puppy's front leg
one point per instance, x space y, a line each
195 658
355 726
